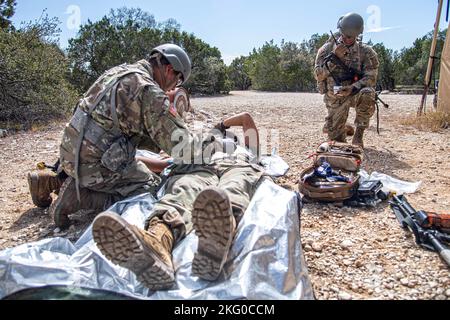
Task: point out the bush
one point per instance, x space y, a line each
431 121
126 36
288 67
33 71
7 8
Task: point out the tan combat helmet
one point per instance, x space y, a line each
177 57
351 25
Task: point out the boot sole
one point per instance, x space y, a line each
34 187
120 245
213 224
61 220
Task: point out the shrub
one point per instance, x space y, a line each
33 75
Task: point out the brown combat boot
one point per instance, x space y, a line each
215 227
341 138
348 129
358 138
148 254
41 185
67 202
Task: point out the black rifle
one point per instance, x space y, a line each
351 74
428 238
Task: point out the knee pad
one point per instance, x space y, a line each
367 96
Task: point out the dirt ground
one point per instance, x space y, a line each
350 253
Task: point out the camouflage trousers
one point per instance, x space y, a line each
338 110
136 179
239 181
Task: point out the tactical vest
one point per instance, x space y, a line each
352 60
117 149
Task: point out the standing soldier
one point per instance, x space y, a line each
346 71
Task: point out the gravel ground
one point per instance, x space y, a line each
350 253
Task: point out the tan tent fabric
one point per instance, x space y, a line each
444 81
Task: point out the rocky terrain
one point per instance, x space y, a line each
350 253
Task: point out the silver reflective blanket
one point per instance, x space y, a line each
266 261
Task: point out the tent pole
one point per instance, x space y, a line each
431 59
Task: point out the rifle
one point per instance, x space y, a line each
428 238
351 74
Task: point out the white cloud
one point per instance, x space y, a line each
382 29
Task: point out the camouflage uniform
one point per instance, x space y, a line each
233 174
363 58
145 120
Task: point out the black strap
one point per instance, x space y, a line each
378 116
114 116
349 71
448 10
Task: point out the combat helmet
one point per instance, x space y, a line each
351 25
177 57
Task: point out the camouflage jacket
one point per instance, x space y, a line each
361 58
145 116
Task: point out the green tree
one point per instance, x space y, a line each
265 70
33 75
316 42
386 72
239 73
296 65
209 76
126 36
7 9
410 64
289 67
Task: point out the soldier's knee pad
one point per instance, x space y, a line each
367 96
368 93
366 101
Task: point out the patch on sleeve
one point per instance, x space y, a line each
173 110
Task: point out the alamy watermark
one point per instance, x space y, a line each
374 19
208 145
74 19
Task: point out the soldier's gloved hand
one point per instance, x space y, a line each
346 91
340 51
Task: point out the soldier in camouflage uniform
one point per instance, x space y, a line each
210 198
43 183
341 95
127 108
124 109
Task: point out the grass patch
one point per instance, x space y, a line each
431 121
35 126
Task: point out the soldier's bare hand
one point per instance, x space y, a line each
345 91
341 50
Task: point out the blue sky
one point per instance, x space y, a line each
238 26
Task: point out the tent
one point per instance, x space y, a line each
444 81
443 97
